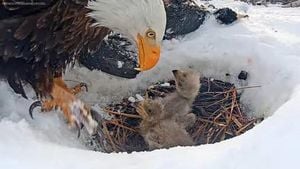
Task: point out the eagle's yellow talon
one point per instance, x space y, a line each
78 88
76 113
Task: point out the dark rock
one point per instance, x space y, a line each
116 56
243 75
183 17
225 16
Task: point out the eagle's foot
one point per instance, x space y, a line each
78 88
75 111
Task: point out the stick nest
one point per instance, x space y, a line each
217 108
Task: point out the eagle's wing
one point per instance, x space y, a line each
10 8
37 42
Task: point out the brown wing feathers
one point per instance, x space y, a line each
11 8
36 44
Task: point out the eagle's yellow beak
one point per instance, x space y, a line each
149 52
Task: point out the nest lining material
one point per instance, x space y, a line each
217 108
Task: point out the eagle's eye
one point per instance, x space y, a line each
151 34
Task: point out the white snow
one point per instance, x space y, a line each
139 97
120 64
132 99
165 85
267 45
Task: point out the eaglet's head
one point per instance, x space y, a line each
187 83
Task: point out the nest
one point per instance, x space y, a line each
217 107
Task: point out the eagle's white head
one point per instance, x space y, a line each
143 21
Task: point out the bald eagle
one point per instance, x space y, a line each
40 38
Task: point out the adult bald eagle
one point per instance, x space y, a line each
39 38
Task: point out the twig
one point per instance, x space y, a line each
248 87
122 114
109 137
243 128
120 125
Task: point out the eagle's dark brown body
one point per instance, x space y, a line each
38 41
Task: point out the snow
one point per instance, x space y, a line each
267 45
120 64
132 99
